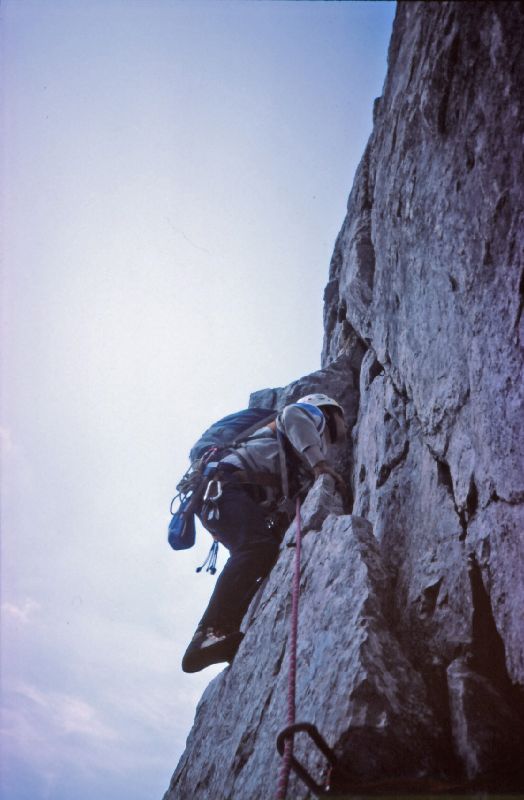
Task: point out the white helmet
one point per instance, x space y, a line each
336 422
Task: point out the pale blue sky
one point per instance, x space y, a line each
174 177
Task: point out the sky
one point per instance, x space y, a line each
174 175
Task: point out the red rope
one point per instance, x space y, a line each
292 676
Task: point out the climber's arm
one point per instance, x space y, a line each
304 431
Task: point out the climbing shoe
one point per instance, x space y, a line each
210 646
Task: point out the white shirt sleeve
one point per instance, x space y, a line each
304 428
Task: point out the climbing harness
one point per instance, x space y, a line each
200 488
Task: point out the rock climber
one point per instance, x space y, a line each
248 518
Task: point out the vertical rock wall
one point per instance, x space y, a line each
428 272
411 659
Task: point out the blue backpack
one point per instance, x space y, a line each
232 430
223 435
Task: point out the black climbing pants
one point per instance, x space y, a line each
253 549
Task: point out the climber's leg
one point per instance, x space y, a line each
253 548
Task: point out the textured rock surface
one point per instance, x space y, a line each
374 704
411 656
487 731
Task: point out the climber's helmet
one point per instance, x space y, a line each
333 413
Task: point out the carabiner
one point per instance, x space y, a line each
208 496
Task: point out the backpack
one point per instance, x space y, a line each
223 435
232 430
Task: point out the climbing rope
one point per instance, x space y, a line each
292 675
285 737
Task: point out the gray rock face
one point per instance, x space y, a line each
411 654
495 745
373 705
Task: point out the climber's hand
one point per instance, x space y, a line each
323 468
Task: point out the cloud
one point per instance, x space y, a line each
22 613
74 715
50 735
67 714
17 472
7 444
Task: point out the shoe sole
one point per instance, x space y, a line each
224 650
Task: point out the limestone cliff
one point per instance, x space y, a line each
411 650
